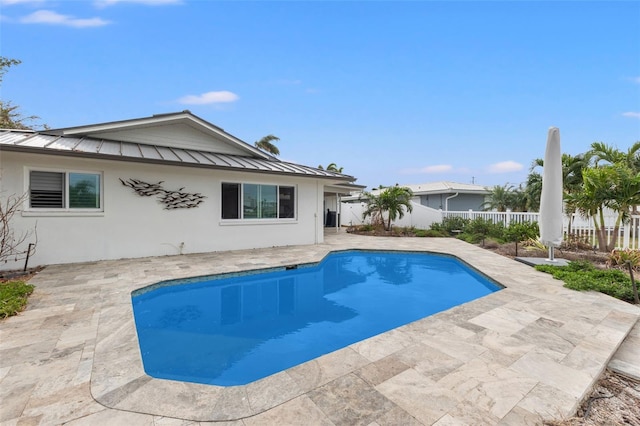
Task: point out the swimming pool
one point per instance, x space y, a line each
234 329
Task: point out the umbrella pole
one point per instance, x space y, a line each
551 258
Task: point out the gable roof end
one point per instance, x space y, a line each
184 117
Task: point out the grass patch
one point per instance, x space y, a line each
584 276
13 297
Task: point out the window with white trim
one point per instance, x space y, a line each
256 201
65 190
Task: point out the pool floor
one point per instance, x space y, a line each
233 330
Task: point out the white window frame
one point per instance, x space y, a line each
244 221
66 210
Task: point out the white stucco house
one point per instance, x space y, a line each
160 185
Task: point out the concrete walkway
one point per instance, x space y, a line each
529 352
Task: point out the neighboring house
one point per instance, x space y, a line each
166 184
447 196
429 200
450 196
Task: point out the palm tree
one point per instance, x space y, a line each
615 186
533 190
590 202
572 181
519 200
374 207
392 200
266 145
619 178
333 167
601 151
626 195
500 198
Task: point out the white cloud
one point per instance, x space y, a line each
631 114
13 2
54 18
505 167
106 3
636 80
209 98
438 168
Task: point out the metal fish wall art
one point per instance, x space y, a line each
171 199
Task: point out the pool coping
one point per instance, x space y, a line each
598 323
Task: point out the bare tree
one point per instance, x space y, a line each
12 244
10 115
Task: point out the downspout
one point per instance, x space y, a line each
446 201
337 211
315 215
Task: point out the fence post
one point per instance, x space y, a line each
627 229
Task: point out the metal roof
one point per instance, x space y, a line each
82 146
446 187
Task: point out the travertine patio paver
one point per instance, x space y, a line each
627 358
528 352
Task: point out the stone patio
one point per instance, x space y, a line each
528 352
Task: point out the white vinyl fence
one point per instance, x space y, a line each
582 229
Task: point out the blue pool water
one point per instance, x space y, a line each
235 329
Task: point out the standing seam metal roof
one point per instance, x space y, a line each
27 141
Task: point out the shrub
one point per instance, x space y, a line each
584 276
575 241
517 232
620 258
482 228
13 297
430 233
450 224
406 231
470 238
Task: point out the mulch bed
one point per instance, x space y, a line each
615 400
19 275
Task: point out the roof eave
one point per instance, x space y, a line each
451 191
346 179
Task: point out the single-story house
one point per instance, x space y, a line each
444 195
450 196
160 185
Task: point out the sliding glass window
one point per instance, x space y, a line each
258 201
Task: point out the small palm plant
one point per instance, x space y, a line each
392 200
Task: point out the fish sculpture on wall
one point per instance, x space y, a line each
171 199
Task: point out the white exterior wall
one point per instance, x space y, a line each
421 217
134 226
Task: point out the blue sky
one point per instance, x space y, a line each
394 92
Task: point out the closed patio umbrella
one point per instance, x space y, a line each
551 198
